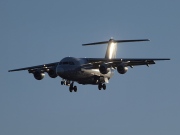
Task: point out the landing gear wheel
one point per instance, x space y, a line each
70 89
75 88
99 86
104 86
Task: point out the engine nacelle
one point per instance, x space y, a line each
52 73
122 69
103 69
38 75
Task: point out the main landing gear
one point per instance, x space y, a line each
100 86
70 84
74 88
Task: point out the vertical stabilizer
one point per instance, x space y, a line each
111 49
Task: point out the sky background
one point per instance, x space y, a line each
144 101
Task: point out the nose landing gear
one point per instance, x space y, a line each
71 87
70 84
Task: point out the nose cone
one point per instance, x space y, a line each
60 71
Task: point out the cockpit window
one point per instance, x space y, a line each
67 63
71 63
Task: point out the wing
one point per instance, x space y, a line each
126 61
43 67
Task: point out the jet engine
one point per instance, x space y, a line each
122 69
52 73
38 75
103 69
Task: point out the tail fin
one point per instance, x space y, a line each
112 46
111 49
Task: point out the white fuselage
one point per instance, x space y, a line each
73 69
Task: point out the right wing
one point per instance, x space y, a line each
95 62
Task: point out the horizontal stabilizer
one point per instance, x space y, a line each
116 41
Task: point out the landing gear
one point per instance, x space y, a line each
75 88
104 86
100 85
71 87
65 82
70 84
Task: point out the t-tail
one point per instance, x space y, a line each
112 46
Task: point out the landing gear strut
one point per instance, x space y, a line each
100 85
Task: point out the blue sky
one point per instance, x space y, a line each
144 101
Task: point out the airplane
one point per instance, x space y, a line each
93 71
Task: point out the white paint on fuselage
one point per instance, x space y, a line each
71 68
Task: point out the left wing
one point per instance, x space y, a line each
126 61
43 67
